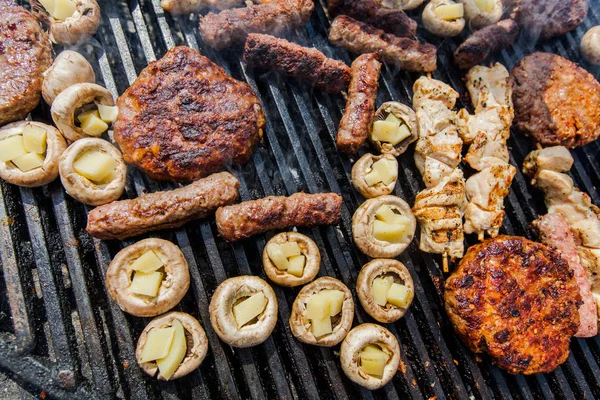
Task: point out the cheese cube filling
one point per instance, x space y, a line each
392 130
321 307
450 12
373 360
249 308
385 291
167 347
287 257
147 284
11 148
389 226
147 262
382 170
34 139
485 5
96 166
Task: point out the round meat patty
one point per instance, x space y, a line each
516 300
184 118
548 19
556 101
25 53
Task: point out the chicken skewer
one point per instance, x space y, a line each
487 132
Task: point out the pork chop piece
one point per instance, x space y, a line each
184 118
25 53
548 19
518 301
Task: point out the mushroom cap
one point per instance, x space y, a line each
308 248
401 4
300 326
81 25
359 170
355 341
174 286
68 68
55 146
476 18
404 113
364 283
69 100
362 231
439 26
221 311
590 45
81 188
197 344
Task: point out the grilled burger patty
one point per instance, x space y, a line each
25 53
556 101
185 118
549 18
518 301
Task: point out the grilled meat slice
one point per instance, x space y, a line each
556 101
360 108
373 13
177 7
484 42
517 300
185 118
25 53
278 212
230 27
404 53
547 19
306 64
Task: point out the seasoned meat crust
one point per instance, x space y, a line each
185 118
25 53
549 18
556 101
516 300
306 64
484 42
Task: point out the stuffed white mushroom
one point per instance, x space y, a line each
590 45
480 13
375 176
444 18
69 68
69 21
291 259
394 129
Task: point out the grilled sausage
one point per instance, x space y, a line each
361 38
360 108
373 13
231 27
277 212
162 210
306 64
484 42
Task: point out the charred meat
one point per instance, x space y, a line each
485 42
547 19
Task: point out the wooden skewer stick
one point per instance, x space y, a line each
445 261
538 146
480 236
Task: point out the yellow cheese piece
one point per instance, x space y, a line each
392 233
381 171
321 327
249 309
398 295
48 5
91 123
336 300
380 288
34 139
296 265
373 351
28 161
392 118
383 130
158 343
11 148
373 360
290 249
95 165
277 257
318 307
108 113
146 284
385 213
168 365
148 262
485 5
63 9
450 12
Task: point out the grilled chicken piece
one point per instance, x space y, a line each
495 80
427 89
556 158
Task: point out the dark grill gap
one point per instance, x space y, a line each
93 357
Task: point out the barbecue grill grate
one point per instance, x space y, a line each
60 332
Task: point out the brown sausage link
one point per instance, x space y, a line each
249 218
360 107
163 210
484 42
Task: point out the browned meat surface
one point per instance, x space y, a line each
177 7
361 38
306 64
485 42
553 230
278 212
356 122
556 101
518 301
184 118
275 17
547 19
25 53
371 12
162 210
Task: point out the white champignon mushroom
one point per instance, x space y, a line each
48 171
69 68
406 117
197 344
82 24
590 45
383 268
352 346
402 4
443 18
480 13
308 249
383 227
174 285
233 292
361 178
73 99
341 323
85 189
